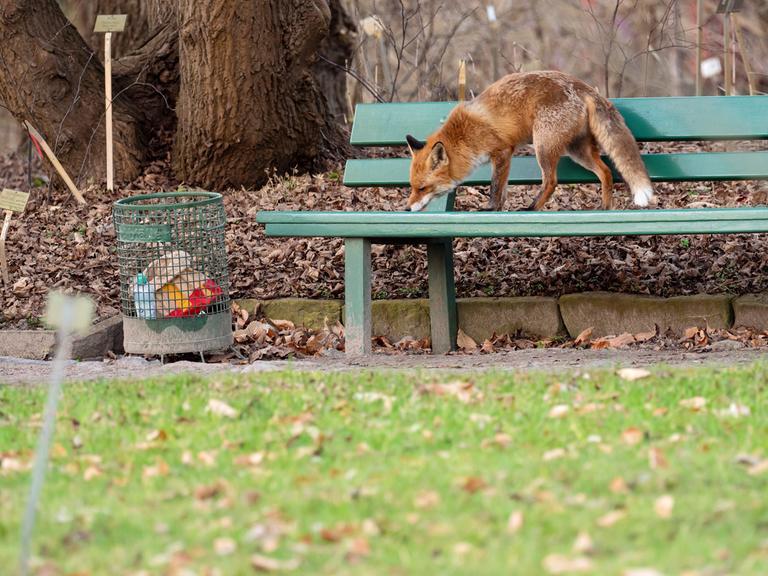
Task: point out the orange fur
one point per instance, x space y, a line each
554 111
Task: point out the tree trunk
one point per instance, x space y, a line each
248 103
51 78
145 66
336 52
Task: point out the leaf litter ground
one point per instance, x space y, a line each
58 245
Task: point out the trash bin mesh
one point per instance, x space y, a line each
172 255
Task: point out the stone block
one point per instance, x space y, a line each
301 311
538 316
611 314
751 311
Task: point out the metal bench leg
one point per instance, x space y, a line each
442 296
357 296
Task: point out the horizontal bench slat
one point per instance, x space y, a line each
649 119
472 224
394 172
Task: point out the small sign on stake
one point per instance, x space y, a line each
109 23
13 200
10 201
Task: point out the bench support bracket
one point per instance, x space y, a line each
357 296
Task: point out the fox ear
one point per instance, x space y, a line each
414 144
438 156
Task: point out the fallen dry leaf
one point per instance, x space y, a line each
690 332
91 472
553 454
464 342
584 336
254 459
266 564
697 403
358 548
283 325
426 499
462 548
656 458
487 347
502 440
157 436
224 546
559 411
759 468
473 484
583 544
221 408
621 340
560 564
642 572
663 506
464 391
515 522
618 485
632 374
159 469
644 336
611 518
632 436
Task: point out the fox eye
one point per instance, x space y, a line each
422 189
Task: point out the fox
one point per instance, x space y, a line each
554 111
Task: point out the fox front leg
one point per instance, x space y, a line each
500 173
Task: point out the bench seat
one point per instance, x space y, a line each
416 227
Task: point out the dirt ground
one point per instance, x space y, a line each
18 371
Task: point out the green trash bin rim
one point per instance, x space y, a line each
130 203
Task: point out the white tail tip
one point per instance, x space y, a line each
643 196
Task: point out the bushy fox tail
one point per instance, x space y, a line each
610 131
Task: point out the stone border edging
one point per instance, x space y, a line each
103 337
544 317
608 313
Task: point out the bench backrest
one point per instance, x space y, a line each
649 119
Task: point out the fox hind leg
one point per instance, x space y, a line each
584 151
547 155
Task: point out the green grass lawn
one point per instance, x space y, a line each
412 473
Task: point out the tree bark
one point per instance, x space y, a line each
51 78
336 52
145 66
248 103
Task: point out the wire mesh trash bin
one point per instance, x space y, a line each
174 285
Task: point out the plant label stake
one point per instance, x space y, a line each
10 201
108 24
462 80
40 141
68 315
727 8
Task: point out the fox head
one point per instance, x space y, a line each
430 172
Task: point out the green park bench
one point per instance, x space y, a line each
649 119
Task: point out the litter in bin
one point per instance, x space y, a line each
170 288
